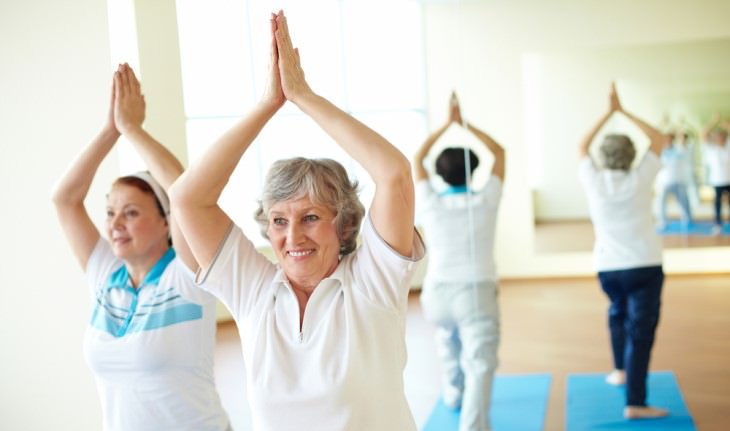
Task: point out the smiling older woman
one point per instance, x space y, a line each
323 332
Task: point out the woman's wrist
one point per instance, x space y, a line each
110 132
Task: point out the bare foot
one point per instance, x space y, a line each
644 412
452 397
616 378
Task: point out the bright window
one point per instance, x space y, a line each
365 57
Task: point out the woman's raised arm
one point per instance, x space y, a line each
392 209
194 196
71 189
129 114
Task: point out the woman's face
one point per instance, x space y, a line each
135 227
304 240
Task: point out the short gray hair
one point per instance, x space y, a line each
618 152
324 182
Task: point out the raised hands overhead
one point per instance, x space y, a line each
293 83
273 96
614 105
614 102
455 117
656 138
71 189
454 109
129 104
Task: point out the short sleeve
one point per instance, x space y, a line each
184 278
586 171
380 272
100 265
649 167
238 273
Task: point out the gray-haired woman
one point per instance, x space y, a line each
323 332
628 252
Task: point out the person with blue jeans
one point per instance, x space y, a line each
459 292
675 178
716 157
627 253
635 296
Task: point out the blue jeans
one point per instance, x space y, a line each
679 190
719 191
633 315
467 337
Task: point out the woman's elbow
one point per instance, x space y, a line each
179 194
400 172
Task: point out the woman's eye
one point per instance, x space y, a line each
278 221
131 213
109 214
311 217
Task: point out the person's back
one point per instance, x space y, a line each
620 208
627 251
459 292
460 228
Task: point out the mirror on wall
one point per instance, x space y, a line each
678 87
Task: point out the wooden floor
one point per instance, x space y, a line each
577 235
558 326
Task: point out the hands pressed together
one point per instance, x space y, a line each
454 110
286 77
614 102
127 104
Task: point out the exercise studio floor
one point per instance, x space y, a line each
577 235
558 326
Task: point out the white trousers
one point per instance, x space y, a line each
467 337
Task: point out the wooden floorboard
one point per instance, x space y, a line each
559 326
577 235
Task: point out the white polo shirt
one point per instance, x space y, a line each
620 207
151 348
459 229
717 160
344 370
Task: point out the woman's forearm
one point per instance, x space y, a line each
74 185
204 181
379 157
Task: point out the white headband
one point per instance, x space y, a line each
156 188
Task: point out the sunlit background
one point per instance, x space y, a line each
390 63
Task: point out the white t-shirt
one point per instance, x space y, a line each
717 160
676 166
344 370
620 206
151 349
460 240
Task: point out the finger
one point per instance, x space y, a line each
283 29
114 91
117 86
124 81
135 86
274 48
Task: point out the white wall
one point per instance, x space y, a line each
54 88
477 47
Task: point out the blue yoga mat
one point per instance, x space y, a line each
703 228
518 403
592 404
